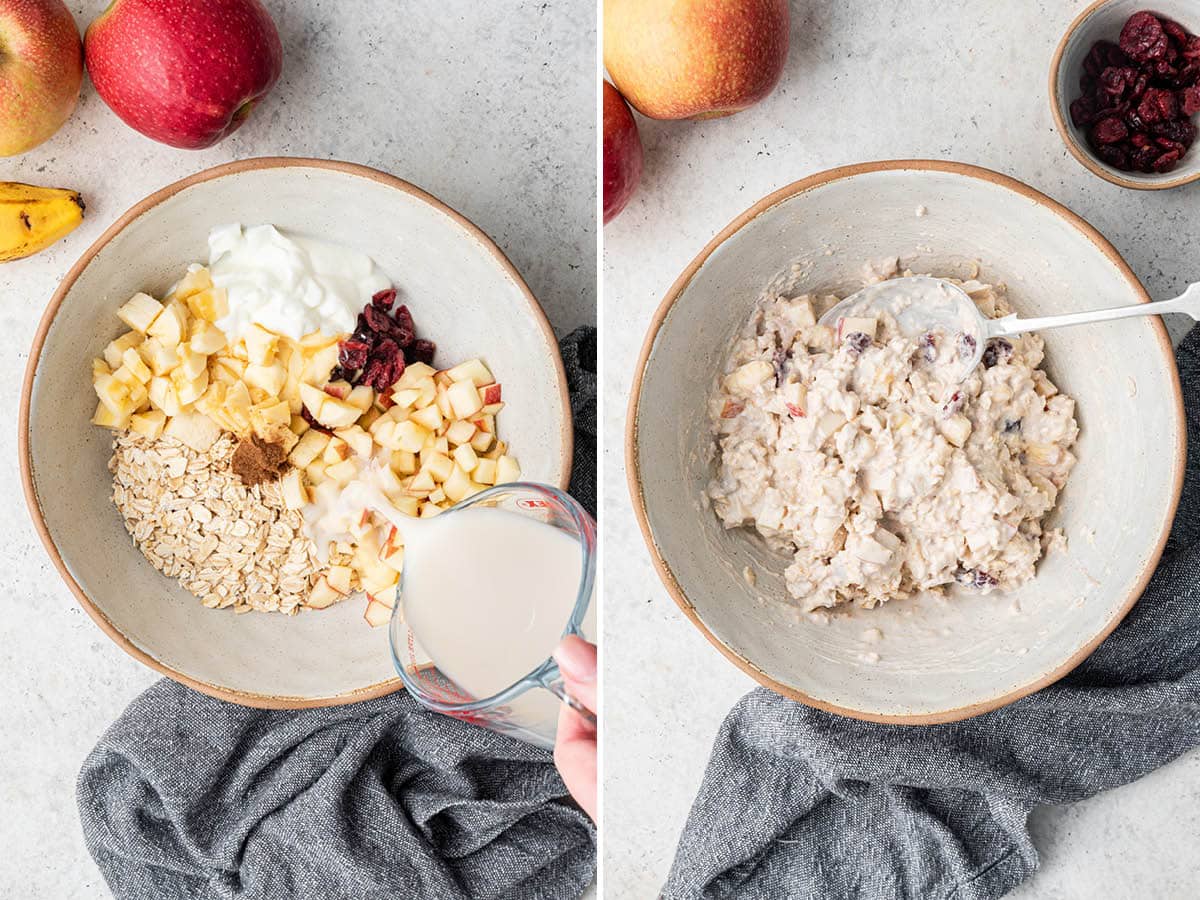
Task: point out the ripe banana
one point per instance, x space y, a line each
32 218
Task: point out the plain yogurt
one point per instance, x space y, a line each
290 285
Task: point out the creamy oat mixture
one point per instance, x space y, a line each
864 458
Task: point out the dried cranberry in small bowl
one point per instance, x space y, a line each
1137 96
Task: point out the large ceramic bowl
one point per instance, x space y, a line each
1103 20
464 294
938 660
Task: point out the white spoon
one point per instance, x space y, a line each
922 303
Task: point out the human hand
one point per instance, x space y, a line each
575 749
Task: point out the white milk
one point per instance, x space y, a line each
487 594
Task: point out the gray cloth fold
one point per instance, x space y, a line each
798 803
191 798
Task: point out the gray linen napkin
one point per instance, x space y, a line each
188 797
799 803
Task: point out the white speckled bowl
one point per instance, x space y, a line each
1103 20
464 294
938 660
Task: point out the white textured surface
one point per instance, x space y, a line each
490 109
869 80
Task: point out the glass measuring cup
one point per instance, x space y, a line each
528 708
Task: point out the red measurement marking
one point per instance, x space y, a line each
534 504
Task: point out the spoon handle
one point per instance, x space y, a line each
1187 303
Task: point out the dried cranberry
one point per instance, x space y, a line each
1157 105
1189 100
997 350
1176 32
1168 144
403 329
954 404
928 346
1181 131
353 354
1083 111
1166 162
1187 76
1115 79
422 351
858 341
965 345
1143 38
1109 131
1140 83
1192 50
1115 155
379 321
1141 139
983 579
1142 159
384 299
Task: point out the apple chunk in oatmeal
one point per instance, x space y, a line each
860 454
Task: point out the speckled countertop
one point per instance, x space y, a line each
488 106
963 81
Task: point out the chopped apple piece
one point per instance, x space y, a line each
491 409
337 413
336 451
439 445
460 432
484 422
192 363
114 353
209 305
404 462
149 424
106 418
170 326
437 495
313 399
315 473
196 280
299 425
409 506
323 595
406 398
437 465
485 471
497 451
361 397
464 397
100 367
412 375
430 417
472 370
315 340
260 345
482 441
421 485
339 389
194 429
139 312
507 470
443 401
465 457
357 439
389 482
340 578
318 366
377 614
293 489
160 358
189 389
207 339
457 485
113 393
164 396
369 418
344 472
410 436
489 394
388 595
429 510
269 379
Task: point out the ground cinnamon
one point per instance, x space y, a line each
256 460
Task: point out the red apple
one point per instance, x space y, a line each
622 153
41 68
695 59
184 72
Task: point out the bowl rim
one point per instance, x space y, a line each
1058 104
249 698
633 472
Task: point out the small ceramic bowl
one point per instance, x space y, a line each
464 294
1103 20
932 660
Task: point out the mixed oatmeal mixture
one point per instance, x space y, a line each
864 458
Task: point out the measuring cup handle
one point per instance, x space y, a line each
554 684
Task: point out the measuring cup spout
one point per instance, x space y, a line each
552 680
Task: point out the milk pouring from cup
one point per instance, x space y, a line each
487 591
